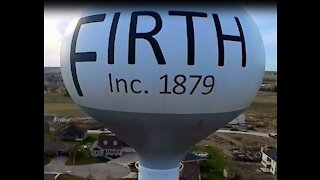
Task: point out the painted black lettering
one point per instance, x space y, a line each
112 38
133 35
110 82
83 56
124 82
190 30
223 37
132 89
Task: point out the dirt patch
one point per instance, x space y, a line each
228 142
252 171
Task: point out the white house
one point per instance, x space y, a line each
269 160
241 119
109 145
61 119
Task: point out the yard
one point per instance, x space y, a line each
262 113
265 103
83 157
214 165
83 151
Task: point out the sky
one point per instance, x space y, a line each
56 22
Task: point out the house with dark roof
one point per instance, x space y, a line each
73 132
109 145
269 160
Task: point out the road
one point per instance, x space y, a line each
254 133
97 131
99 170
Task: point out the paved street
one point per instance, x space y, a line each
248 133
98 170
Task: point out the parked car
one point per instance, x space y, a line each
201 154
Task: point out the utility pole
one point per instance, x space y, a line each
74 156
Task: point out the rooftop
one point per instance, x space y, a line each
272 153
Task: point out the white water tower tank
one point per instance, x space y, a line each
163 78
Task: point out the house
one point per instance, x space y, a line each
62 119
269 160
48 123
109 145
73 132
241 119
191 167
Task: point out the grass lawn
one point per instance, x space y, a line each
58 105
264 105
83 157
89 140
213 167
70 177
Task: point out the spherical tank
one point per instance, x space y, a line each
163 78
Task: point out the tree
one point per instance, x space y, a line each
63 91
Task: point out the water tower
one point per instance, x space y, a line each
163 78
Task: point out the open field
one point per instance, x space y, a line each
228 142
58 105
262 113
